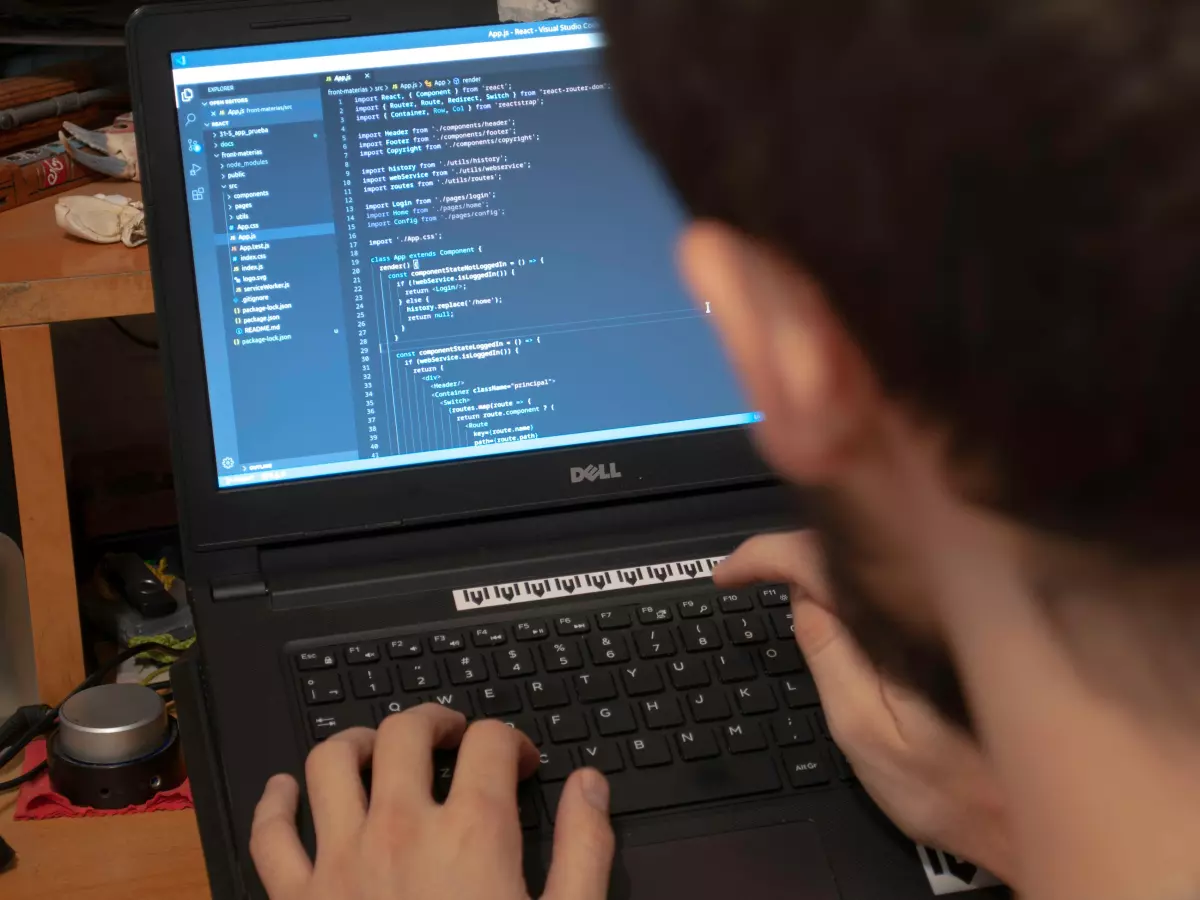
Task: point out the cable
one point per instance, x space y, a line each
140 341
45 724
21 779
6 855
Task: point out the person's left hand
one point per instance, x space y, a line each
405 846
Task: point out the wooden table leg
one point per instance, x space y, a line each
42 501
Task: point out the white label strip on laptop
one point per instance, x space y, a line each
948 874
596 582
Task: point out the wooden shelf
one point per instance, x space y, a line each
108 858
47 276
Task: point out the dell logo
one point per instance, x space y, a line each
595 473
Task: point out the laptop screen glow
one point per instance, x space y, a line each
430 247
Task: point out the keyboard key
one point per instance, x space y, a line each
607 649
614 719
419 676
528 806
782 659
569 625
654 614
695 609
708 706
362 654
842 765
688 673
326 723
698 636
635 791
530 631
371 682
791 729
734 665
562 656
697 743
613 619
557 764
316 659
447 641
755 699
662 713
735 602
648 751
500 700
527 725
774 596
547 693
405 648
488 636
514 662
444 764
782 625
567 726
823 722
806 767
799 691
386 708
744 737
747 629
466 669
605 756
593 687
322 687
641 680
455 700
654 642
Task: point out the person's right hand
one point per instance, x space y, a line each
400 844
926 775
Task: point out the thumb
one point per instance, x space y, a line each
583 841
845 678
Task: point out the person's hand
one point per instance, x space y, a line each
402 844
926 775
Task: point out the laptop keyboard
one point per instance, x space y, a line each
703 698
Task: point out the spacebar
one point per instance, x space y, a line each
686 783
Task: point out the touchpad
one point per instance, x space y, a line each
780 862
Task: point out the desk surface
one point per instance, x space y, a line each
47 276
110 858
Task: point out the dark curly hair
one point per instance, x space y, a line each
1001 199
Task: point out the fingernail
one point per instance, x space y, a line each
595 790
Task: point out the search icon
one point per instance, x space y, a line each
190 119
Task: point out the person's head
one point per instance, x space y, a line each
953 249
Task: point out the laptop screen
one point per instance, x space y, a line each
429 247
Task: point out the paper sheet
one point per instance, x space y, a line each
536 10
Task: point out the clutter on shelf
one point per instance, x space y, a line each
30 175
536 10
102 219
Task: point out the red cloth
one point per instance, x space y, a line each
38 800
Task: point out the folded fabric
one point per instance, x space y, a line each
38 800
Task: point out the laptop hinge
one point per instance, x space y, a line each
241 588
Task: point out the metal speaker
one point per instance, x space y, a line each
115 747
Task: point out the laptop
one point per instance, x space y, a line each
447 428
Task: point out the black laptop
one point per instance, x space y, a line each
448 429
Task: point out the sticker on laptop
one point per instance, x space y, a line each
583 584
948 874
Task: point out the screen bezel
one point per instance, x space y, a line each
214 518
